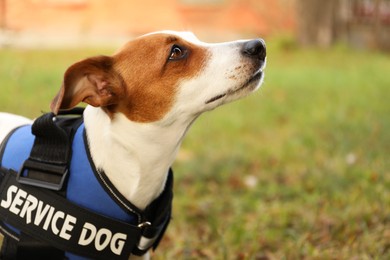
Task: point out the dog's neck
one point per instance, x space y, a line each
135 156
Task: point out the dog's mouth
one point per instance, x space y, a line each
251 83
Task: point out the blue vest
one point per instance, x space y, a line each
86 186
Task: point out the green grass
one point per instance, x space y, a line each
299 170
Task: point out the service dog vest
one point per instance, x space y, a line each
98 222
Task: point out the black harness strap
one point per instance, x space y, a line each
47 166
30 248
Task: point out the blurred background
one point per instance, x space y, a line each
361 23
298 170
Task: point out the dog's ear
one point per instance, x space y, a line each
92 81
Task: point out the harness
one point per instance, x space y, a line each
55 204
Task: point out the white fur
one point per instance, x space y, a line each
136 156
9 122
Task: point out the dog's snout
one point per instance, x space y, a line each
255 48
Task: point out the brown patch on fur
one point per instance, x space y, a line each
151 79
138 81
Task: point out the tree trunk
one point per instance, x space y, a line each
317 22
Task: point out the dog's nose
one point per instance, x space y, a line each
255 48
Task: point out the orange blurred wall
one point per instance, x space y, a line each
112 18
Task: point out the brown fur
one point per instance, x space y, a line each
138 81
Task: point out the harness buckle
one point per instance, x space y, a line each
40 174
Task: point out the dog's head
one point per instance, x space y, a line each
163 74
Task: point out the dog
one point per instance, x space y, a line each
143 99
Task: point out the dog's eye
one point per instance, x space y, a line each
177 53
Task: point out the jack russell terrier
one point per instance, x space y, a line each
143 99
